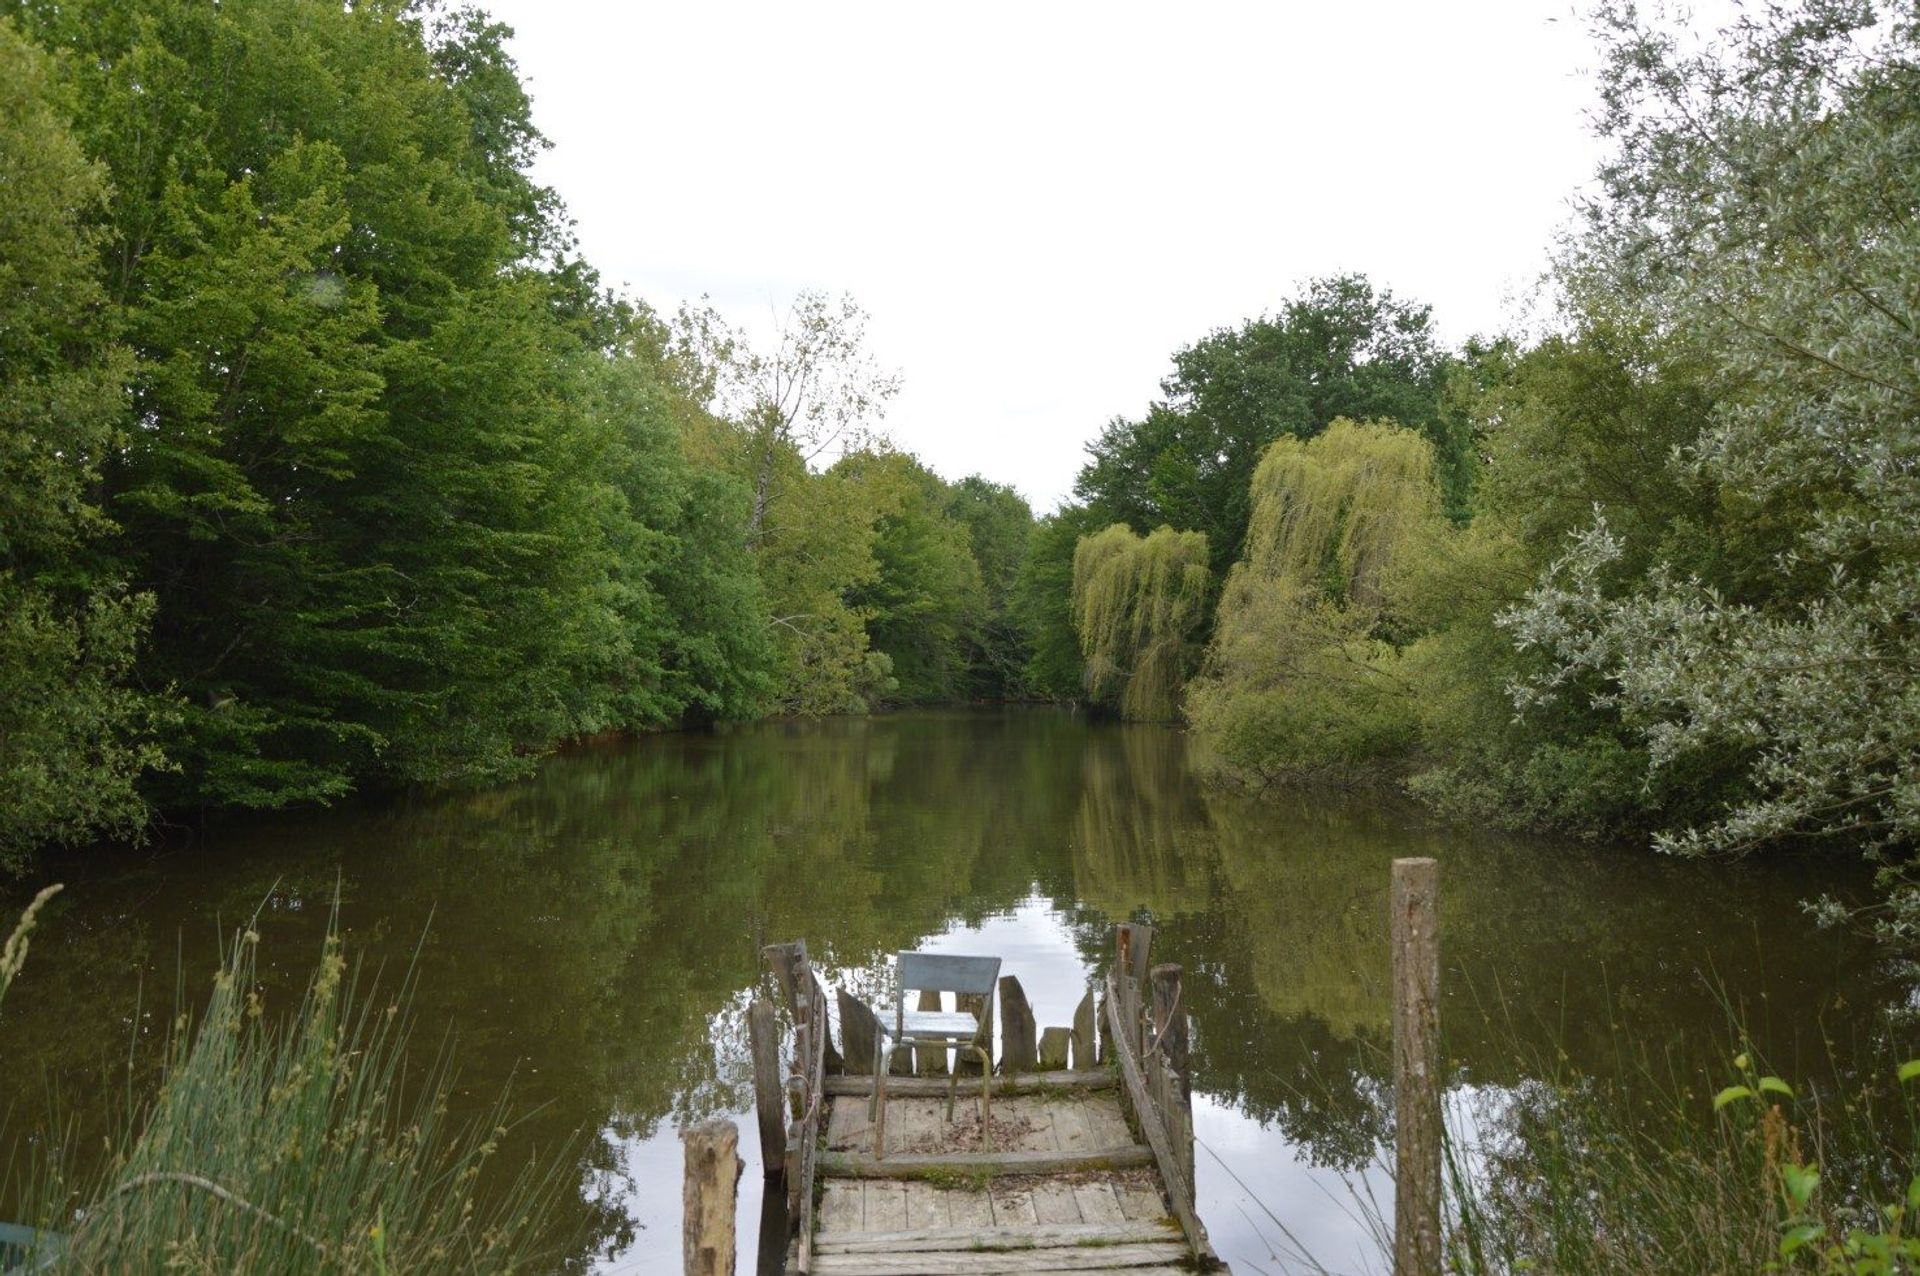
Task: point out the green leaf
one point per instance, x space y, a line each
1776 1086
1729 1094
1800 1182
1799 1236
1910 1069
1913 1193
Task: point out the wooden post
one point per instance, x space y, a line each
965 1062
1415 925
1083 1032
1016 1028
932 1059
1172 1046
713 1174
768 1100
1053 1049
857 1032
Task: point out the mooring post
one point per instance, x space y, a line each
713 1174
1416 1067
768 1100
1017 1041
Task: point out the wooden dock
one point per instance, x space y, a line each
1087 1168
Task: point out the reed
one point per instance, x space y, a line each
304 1145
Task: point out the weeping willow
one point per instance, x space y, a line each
1137 604
1303 671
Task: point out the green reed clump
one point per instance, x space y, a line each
1648 1174
300 1146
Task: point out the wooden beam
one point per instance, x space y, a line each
768 1100
1071 1258
857 1032
1053 1048
859 1165
1083 1032
1178 1190
712 1177
1013 1236
1415 925
1016 1028
1025 1083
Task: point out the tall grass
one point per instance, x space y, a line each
298 1146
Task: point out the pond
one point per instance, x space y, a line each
590 937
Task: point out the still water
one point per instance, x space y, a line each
591 938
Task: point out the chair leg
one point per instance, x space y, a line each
880 1112
986 1099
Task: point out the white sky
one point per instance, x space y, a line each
1039 203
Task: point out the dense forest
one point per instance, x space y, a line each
327 464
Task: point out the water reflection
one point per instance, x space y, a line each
594 932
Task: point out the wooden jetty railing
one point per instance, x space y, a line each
1147 1037
806 1086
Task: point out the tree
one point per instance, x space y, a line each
74 736
816 391
1138 604
999 523
1043 605
1759 210
1303 673
1340 350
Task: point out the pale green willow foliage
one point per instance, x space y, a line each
1304 672
1763 207
1138 602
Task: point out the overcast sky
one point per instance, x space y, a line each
1039 203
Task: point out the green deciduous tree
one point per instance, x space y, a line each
1760 209
1342 349
1138 605
73 734
1304 671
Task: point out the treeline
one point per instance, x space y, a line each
326 462
1655 575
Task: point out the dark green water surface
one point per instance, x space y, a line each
591 936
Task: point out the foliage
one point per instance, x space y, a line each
999 526
1757 207
73 736
1304 671
1138 603
925 603
308 1147
1341 349
1043 605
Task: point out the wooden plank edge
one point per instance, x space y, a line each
1157 1140
933 1087
1070 1258
1028 1236
860 1165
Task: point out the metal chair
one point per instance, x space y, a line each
960 1029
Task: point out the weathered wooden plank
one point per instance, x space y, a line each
968 1206
926 1207
1415 928
769 1101
1012 1206
1053 1048
909 1165
1098 1204
886 1206
708 1193
858 1030
1054 1203
1178 1192
1062 1258
1072 1128
842 1207
1027 1236
1141 1203
1083 1056
1027 1083
1017 1040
